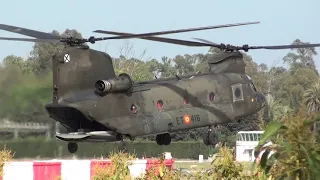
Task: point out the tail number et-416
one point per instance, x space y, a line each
187 119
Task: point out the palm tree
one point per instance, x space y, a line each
276 111
312 100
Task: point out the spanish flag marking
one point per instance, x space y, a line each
186 119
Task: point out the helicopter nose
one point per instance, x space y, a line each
261 99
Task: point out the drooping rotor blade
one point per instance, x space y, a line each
47 37
247 47
206 41
29 40
28 32
161 39
174 31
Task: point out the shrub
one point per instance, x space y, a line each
160 172
225 166
5 156
296 152
118 169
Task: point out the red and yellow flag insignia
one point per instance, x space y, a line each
186 119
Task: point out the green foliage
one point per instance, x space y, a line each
296 151
225 167
27 98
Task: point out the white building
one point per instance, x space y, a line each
245 144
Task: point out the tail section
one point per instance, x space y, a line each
75 71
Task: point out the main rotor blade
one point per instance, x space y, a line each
164 40
173 31
285 46
28 32
247 47
29 40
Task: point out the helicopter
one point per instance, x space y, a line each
96 105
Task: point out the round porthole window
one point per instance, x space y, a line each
212 96
185 101
133 108
160 104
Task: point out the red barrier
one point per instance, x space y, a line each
98 164
46 170
66 169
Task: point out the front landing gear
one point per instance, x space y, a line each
211 137
72 147
163 139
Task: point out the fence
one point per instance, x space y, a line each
15 127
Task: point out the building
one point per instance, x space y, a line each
245 145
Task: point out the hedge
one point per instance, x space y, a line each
52 148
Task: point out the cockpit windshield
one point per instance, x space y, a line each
251 84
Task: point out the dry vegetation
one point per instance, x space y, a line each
5 156
117 169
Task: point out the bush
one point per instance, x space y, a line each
5 156
295 150
225 166
118 169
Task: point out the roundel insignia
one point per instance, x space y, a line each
186 119
66 58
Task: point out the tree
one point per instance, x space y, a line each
312 100
17 62
303 58
276 111
41 55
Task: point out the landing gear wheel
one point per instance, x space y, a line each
166 139
205 138
213 138
159 139
163 139
119 137
72 147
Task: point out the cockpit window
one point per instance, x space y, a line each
251 84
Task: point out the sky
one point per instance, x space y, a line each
281 22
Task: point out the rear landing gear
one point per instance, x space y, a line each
72 147
163 139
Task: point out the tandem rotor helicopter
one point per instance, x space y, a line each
95 105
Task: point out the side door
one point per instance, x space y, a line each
238 100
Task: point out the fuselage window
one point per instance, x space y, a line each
133 108
211 96
160 104
185 100
237 92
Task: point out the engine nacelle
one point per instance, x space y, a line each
227 62
122 83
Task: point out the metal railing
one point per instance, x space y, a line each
17 127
